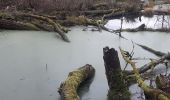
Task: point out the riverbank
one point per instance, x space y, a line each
96 13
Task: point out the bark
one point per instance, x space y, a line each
117 86
68 89
25 21
16 25
56 26
152 92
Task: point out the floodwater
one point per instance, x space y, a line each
33 64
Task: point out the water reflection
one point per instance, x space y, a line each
155 22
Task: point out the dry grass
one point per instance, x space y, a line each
151 4
46 5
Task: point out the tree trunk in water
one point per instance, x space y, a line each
117 87
68 89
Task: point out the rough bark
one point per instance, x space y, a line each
56 26
26 21
16 25
68 89
117 86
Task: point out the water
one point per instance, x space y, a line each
33 64
154 22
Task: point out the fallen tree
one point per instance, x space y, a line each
68 89
163 56
143 28
152 92
26 21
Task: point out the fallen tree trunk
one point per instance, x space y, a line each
117 87
16 25
25 21
152 92
56 26
148 66
68 89
157 53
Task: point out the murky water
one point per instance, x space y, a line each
33 64
155 22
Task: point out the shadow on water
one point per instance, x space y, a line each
85 86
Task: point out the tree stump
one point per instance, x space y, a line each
118 89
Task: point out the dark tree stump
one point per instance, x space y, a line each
117 87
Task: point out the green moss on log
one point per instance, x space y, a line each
68 89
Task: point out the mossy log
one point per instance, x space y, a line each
26 21
155 93
83 20
118 89
57 28
16 25
68 89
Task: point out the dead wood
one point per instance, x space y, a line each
68 89
152 92
149 65
56 26
16 25
117 86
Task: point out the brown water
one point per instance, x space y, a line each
33 64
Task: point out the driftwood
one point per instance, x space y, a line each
16 25
25 21
150 65
117 87
56 26
68 89
152 92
